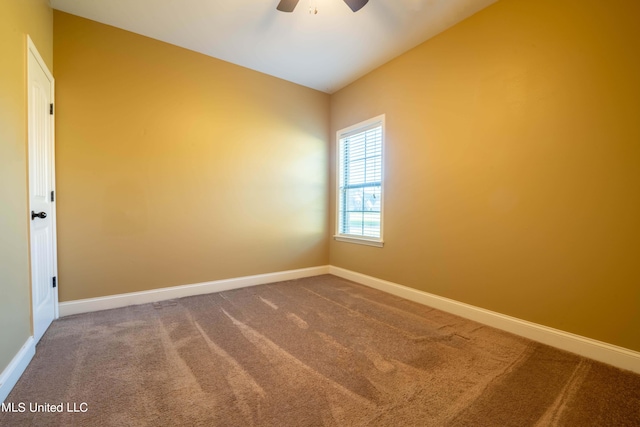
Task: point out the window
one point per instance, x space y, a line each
359 192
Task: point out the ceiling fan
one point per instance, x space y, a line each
289 5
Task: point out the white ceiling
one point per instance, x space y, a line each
325 51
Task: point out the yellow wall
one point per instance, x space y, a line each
17 19
512 172
512 169
513 165
176 168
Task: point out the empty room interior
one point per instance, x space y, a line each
251 224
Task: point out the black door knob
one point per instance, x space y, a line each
34 215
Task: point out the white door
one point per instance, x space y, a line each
44 291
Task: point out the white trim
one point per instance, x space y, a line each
362 126
32 49
359 240
587 347
122 300
16 367
370 123
583 346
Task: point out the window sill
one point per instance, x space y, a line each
359 240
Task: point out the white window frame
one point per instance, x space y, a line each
350 238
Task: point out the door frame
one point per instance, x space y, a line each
32 50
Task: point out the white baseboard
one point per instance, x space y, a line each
16 367
587 347
122 300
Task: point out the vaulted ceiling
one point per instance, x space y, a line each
326 50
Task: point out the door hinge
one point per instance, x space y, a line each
51 109
52 197
54 281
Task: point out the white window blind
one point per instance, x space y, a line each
360 181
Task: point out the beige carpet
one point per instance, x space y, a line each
310 352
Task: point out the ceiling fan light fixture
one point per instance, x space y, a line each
356 5
287 5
